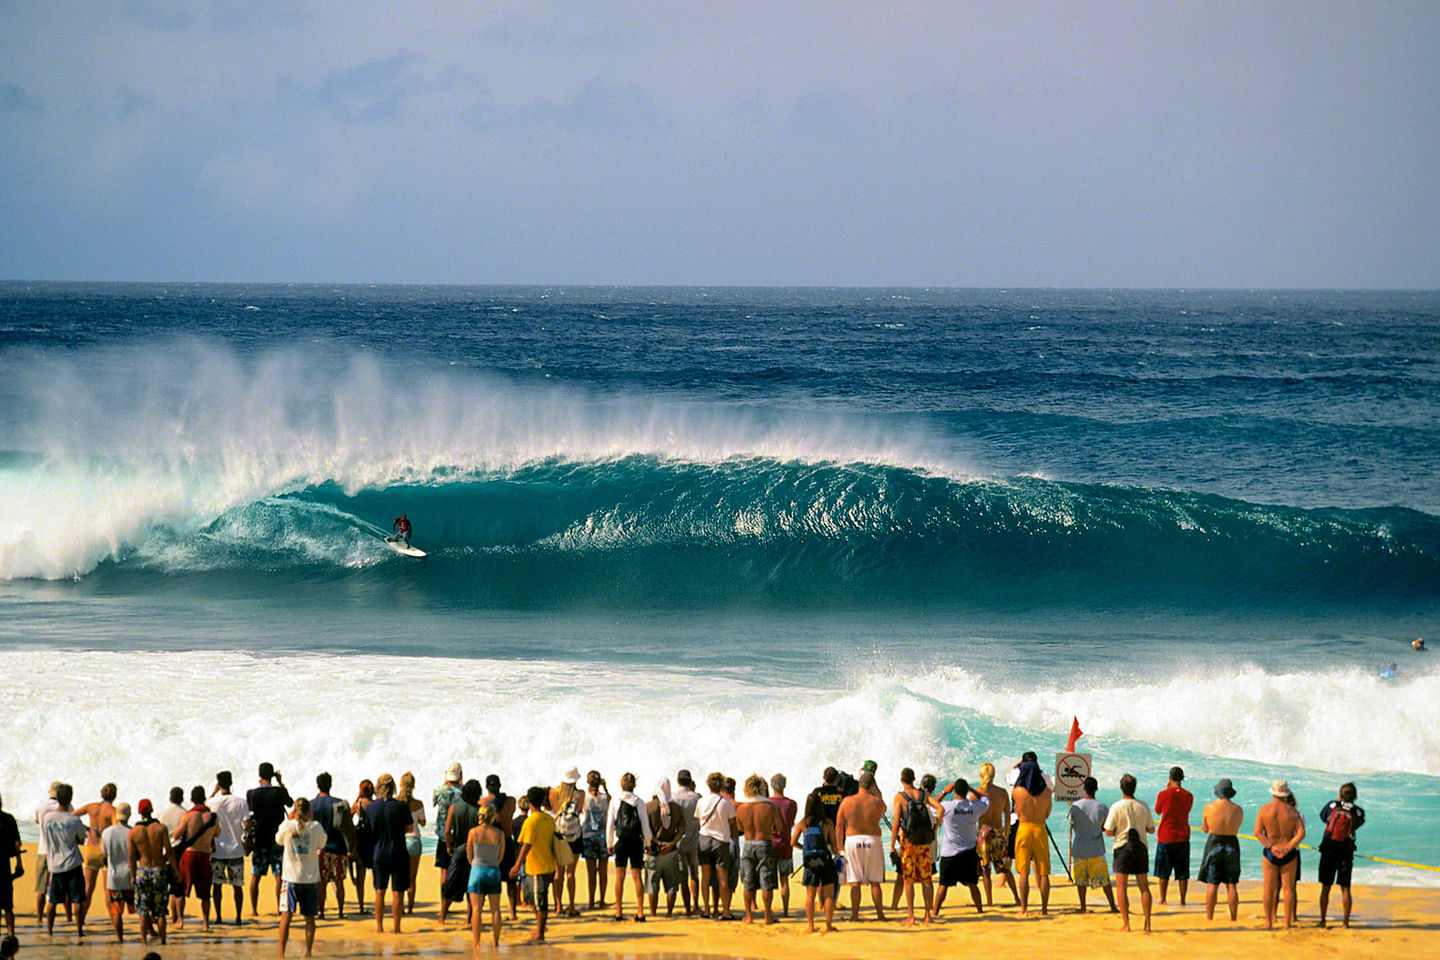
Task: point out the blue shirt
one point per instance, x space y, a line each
958 823
1087 818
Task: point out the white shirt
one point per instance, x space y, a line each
714 814
40 811
230 813
640 811
115 840
303 843
64 833
171 817
1130 814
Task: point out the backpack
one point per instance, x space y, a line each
919 831
627 823
567 825
1340 828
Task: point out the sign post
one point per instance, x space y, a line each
1071 769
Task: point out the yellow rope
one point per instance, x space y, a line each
1398 863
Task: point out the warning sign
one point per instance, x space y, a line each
1071 769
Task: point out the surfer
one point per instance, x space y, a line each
401 528
1418 645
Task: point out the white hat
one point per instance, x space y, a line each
453 773
1280 789
571 776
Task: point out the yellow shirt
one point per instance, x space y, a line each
539 832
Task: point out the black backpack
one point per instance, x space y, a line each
919 831
627 823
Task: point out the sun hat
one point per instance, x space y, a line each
1224 788
1280 789
571 776
453 773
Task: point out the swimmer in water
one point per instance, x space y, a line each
1418 645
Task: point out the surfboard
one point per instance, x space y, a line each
401 548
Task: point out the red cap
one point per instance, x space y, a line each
145 807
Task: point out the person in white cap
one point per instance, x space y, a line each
445 794
567 802
1279 828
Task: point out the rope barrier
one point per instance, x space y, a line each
1397 863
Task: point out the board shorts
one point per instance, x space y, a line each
690 863
94 857
42 874
227 871
119 900
715 853
1172 858
537 889
664 869
593 847
195 873
1131 858
392 874
864 860
784 866
1032 845
266 859
629 853
332 866
302 898
484 881
1090 872
1220 863
916 863
961 869
1337 860
152 892
991 845
819 871
67 887
757 865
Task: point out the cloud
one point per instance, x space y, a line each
374 90
600 110
14 99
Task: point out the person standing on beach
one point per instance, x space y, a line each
1172 838
716 816
174 812
758 820
267 803
300 839
10 849
1087 845
592 836
101 815
390 821
817 858
64 832
537 854
334 817
1220 863
857 829
152 860
505 819
444 795
959 859
42 854
662 857
829 794
406 795
627 835
119 886
568 803
784 848
914 831
994 834
1341 818
1279 828
1128 822
227 863
196 838
364 858
1032 797
484 846
461 816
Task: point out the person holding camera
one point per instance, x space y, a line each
268 804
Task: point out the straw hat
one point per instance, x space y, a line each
1280 789
571 776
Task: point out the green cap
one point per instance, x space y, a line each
870 766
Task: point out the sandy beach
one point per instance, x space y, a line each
1389 922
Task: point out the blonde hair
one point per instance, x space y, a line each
385 786
987 775
754 785
407 787
486 814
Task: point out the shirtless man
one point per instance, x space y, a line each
857 829
915 859
759 819
1220 863
102 816
1279 829
150 855
1032 847
203 826
994 832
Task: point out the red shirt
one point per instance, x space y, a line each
786 808
1173 804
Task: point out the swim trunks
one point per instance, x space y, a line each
916 864
392 874
1132 858
1337 860
302 898
332 866
227 871
757 865
67 887
265 858
152 892
1286 860
1090 872
537 886
594 847
1172 858
992 849
1032 846
1220 863
962 868
864 860
664 869
195 874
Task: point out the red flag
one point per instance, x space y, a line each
1075 734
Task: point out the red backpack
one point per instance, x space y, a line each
1341 826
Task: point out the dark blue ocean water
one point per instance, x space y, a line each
1201 521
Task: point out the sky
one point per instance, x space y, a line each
1095 144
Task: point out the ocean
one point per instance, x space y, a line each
739 529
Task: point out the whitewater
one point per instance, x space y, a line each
719 529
